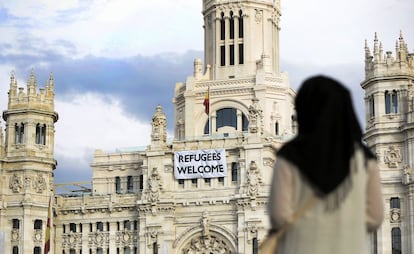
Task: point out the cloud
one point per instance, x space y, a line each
92 121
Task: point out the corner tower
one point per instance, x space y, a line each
389 103
27 165
246 90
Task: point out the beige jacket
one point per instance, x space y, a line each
320 231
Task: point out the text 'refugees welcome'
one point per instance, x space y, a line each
200 164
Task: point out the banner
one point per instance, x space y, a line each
200 164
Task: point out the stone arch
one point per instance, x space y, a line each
217 105
219 240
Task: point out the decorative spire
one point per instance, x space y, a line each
13 85
376 48
31 84
367 51
50 86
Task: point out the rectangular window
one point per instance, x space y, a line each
395 202
72 227
16 223
99 226
127 225
155 247
396 240
222 56
231 54
194 181
181 182
15 250
221 179
118 184
37 224
255 246
141 182
36 250
231 28
234 172
241 53
130 184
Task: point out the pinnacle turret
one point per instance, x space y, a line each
32 98
380 64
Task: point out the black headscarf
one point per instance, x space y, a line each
328 134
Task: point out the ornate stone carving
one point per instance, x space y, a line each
16 183
39 184
393 157
151 235
258 16
154 187
206 245
253 180
395 215
407 175
37 236
15 235
255 117
159 126
205 224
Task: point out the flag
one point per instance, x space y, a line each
206 102
47 236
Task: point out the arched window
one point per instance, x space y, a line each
396 240
371 103
222 37
222 27
241 25
387 102
19 133
241 35
228 117
394 98
41 134
15 250
231 25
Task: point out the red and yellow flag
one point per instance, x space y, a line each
47 236
206 102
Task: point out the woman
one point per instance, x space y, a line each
327 159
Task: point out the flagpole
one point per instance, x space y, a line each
209 112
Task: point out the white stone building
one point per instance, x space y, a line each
138 203
389 103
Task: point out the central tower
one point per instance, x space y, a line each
238 34
241 89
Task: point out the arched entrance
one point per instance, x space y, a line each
210 244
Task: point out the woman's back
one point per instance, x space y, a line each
333 225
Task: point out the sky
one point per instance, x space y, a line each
114 61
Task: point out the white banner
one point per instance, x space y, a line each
200 164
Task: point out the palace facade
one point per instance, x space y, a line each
206 190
